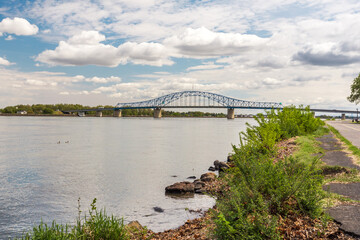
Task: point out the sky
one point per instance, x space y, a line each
99 52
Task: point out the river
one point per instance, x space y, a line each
125 163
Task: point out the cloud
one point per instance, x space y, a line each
86 48
202 42
18 26
35 82
313 57
207 66
5 62
103 80
271 81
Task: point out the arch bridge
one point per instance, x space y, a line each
196 99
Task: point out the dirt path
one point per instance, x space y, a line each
348 215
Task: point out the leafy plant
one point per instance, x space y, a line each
262 189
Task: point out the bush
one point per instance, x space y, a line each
262 189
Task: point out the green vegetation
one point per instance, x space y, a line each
308 147
264 189
98 225
355 90
57 109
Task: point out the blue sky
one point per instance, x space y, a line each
109 51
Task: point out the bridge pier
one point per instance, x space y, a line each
157 113
99 113
230 113
117 113
343 116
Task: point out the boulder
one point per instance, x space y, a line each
221 166
208 177
216 164
199 186
180 187
211 168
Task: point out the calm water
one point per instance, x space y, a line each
124 162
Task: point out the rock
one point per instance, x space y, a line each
191 177
208 177
199 186
216 164
180 187
173 176
211 168
158 209
230 158
134 225
221 166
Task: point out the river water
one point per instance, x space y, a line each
125 163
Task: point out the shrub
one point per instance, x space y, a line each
262 189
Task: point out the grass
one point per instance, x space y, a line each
308 149
96 226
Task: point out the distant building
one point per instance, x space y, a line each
22 112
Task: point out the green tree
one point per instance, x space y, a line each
48 111
355 91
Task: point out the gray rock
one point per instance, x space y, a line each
211 168
158 209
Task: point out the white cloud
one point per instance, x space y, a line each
202 42
85 49
18 26
271 81
103 80
5 62
206 66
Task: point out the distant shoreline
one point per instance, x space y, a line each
94 116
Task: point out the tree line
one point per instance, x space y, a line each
58 109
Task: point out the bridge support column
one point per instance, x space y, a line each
99 113
313 114
117 113
230 113
157 113
343 116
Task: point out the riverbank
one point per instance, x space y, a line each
270 194
297 226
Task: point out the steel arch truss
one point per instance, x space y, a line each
223 101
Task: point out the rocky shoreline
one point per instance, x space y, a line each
294 227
